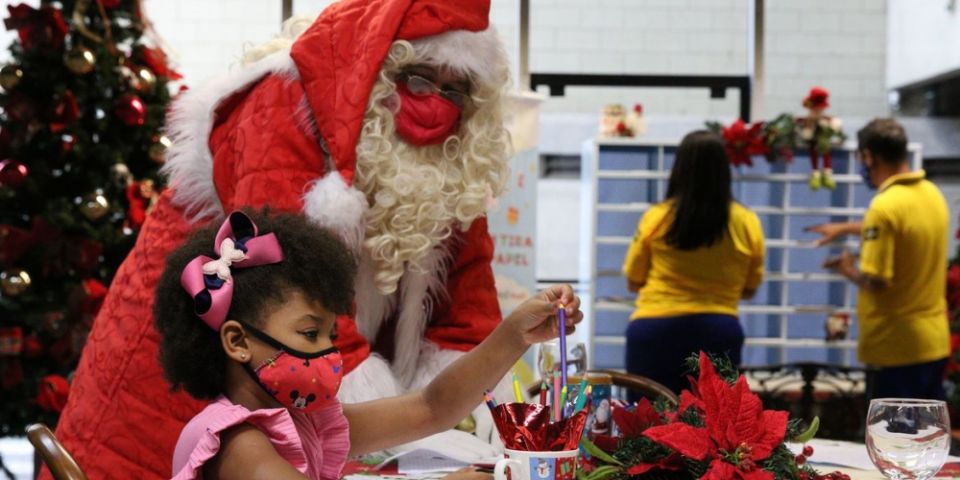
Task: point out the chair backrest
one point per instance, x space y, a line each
62 466
645 386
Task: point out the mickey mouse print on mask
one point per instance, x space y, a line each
298 380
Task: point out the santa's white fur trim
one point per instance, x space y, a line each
418 292
480 55
333 204
373 306
189 163
372 379
434 360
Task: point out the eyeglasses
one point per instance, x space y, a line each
421 86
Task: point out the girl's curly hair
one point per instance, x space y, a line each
316 263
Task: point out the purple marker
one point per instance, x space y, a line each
562 316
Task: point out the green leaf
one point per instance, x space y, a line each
603 472
595 451
810 433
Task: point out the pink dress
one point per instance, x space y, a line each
316 443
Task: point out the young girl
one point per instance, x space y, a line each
247 318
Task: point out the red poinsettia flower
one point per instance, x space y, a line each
632 423
738 434
743 142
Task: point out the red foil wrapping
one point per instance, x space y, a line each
527 427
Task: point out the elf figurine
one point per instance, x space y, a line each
819 132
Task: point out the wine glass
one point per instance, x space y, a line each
908 438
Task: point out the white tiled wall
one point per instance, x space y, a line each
840 44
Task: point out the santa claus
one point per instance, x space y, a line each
382 120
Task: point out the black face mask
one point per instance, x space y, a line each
865 173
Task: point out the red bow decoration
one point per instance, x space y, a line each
52 393
65 112
156 60
743 143
43 27
739 434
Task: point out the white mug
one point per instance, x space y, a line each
537 465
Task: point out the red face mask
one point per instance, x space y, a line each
298 380
425 119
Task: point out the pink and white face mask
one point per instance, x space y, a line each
298 380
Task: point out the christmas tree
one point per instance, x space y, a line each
83 100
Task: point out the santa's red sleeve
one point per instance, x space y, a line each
261 158
471 310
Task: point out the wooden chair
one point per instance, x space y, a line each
62 466
628 381
645 386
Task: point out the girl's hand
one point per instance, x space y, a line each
536 318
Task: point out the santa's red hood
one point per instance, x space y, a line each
340 55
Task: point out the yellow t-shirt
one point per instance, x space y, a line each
706 280
904 243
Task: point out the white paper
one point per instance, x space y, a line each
842 454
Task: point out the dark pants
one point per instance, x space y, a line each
657 348
920 380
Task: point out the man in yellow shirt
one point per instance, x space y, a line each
901 304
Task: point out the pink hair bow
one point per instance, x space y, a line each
210 282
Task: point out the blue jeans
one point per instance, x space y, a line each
920 380
657 348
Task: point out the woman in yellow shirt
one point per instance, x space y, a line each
692 259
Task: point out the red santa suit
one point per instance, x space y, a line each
282 133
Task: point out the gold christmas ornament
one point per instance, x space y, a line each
14 282
158 150
146 80
95 206
10 76
80 60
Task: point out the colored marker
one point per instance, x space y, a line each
488 397
563 400
516 389
581 395
556 396
543 392
562 318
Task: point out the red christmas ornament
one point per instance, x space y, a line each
131 110
157 61
42 27
52 393
65 112
67 142
12 173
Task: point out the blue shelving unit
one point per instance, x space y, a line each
785 321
